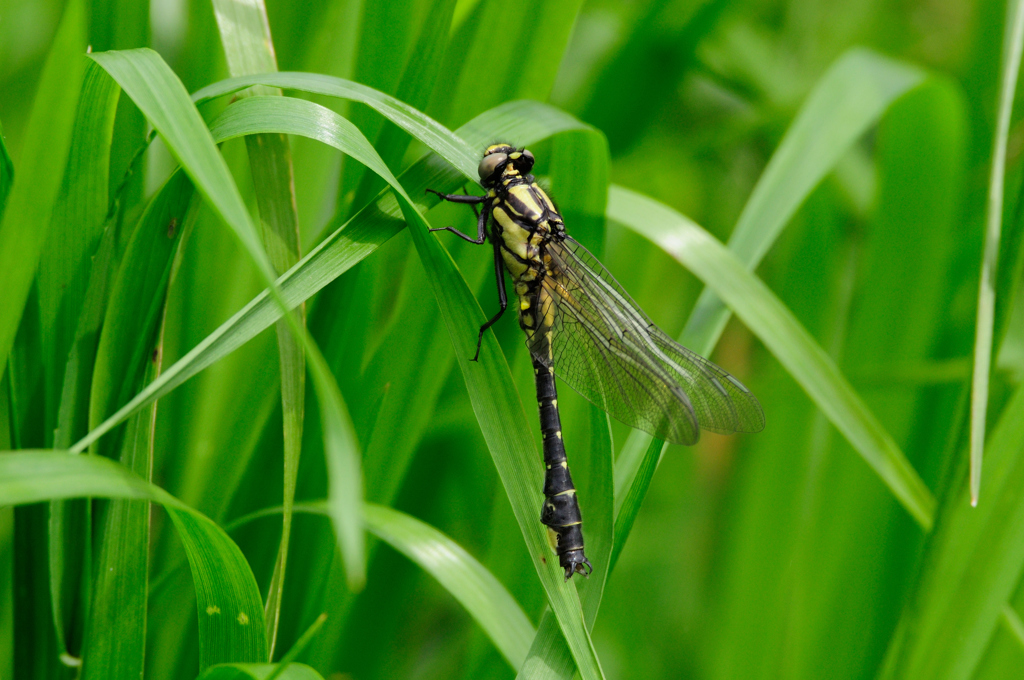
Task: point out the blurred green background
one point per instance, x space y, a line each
776 555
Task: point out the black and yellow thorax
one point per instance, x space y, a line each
524 220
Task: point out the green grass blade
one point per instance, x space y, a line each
990 254
230 609
6 172
849 99
437 137
505 428
972 566
468 581
78 222
115 637
458 307
61 281
475 81
342 249
245 33
137 299
33 193
779 330
128 355
162 98
260 671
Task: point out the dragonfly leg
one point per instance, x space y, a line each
458 198
502 297
481 217
473 205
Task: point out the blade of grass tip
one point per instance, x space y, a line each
1014 41
229 605
249 47
26 218
848 99
158 92
773 323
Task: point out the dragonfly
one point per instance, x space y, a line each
583 327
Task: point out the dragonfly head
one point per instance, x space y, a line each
504 160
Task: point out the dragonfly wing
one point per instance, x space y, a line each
607 349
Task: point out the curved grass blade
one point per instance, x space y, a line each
285 668
849 99
261 671
128 355
983 330
438 138
856 91
33 193
468 581
62 278
162 98
495 398
245 33
230 608
342 249
776 327
6 172
504 426
459 308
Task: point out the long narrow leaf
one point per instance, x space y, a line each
342 249
468 581
990 254
230 609
461 311
848 100
775 325
245 33
26 217
162 98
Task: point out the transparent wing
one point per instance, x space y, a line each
609 351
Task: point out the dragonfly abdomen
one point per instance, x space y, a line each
561 510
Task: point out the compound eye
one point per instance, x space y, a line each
490 163
528 157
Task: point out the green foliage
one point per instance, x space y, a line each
837 180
